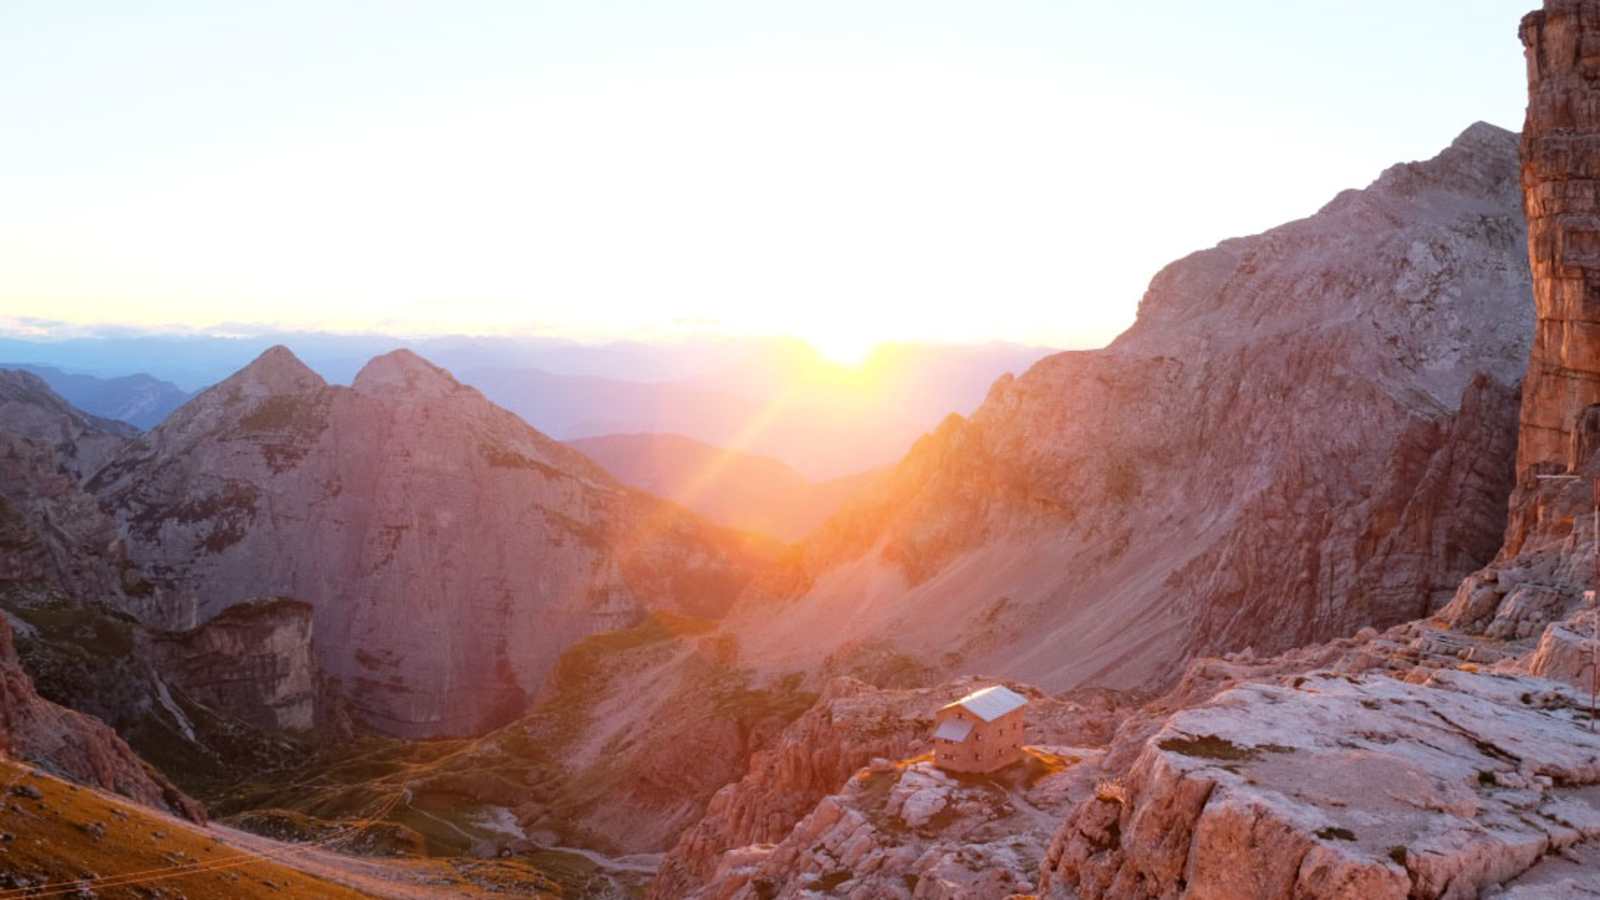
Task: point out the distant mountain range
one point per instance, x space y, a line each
768 396
139 400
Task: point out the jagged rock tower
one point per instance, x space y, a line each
1561 196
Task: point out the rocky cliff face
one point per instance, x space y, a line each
73 745
1548 560
1561 189
449 552
1450 757
63 571
851 723
53 534
208 707
254 662
1306 431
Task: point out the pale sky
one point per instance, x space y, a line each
839 171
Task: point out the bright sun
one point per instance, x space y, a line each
844 349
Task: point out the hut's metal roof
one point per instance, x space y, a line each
992 702
953 729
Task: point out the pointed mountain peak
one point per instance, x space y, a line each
403 371
277 371
1482 161
1482 133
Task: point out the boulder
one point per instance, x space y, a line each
1566 652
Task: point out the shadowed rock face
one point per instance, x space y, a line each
52 532
449 551
1306 431
1561 184
73 745
254 663
138 400
83 443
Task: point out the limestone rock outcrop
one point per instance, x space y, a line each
449 551
1561 189
1567 652
1306 432
1413 763
1543 570
1546 563
853 727
1536 583
908 830
255 662
849 725
1394 772
1425 761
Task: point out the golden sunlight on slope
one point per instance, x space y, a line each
63 840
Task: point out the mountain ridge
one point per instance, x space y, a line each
1221 452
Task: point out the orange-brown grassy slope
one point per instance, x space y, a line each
57 838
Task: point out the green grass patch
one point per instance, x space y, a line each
1210 747
98 631
283 412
